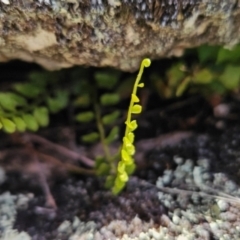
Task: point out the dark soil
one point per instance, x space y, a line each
86 197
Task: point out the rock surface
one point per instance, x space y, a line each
63 33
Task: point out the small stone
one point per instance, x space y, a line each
223 205
167 177
197 175
230 186
75 223
205 163
206 176
176 219
143 236
182 237
5 2
178 160
188 166
202 232
179 173
64 227
228 216
156 235
22 201
160 183
221 110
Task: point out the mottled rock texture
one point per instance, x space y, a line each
117 33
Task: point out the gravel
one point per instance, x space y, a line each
196 197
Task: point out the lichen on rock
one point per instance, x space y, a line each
116 33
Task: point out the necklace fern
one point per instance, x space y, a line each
126 166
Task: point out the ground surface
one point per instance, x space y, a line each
163 200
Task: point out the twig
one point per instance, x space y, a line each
67 166
169 139
61 149
221 195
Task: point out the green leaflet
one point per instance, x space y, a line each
130 137
20 124
106 80
98 161
175 74
130 168
111 117
82 101
109 99
207 53
230 77
113 135
118 186
31 122
90 138
10 101
8 125
123 177
103 169
203 76
135 98
132 125
58 102
41 114
136 109
28 89
226 55
182 86
40 78
109 181
85 117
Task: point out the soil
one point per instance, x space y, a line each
213 137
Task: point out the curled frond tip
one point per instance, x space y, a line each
146 62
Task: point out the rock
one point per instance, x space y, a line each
62 33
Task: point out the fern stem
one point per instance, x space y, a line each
102 133
145 63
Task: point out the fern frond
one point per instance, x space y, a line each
127 166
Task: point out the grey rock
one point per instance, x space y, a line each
62 33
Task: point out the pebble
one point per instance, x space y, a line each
65 227
223 205
178 160
176 219
228 216
167 177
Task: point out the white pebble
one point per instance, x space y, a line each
5 2
178 160
143 236
156 235
64 227
205 163
228 216
176 219
223 205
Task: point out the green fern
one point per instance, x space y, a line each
212 69
115 171
127 166
91 103
27 105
